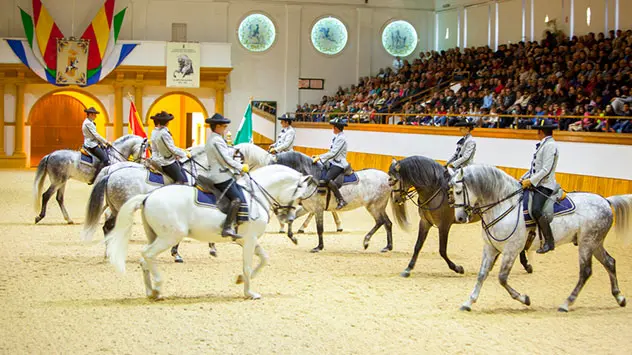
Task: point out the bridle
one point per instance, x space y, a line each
138 158
409 195
481 210
276 206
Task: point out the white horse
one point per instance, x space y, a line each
257 157
497 199
171 213
63 165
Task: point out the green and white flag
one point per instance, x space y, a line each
244 134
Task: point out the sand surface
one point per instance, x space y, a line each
57 295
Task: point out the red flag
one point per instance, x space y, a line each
136 125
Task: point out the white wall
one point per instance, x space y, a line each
516 153
477 29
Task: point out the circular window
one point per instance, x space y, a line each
329 35
256 33
399 38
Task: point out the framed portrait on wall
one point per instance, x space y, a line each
311 84
183 65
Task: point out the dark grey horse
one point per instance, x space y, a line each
370 191
428 181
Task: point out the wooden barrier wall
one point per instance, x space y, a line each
570 182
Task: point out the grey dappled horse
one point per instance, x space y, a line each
63 165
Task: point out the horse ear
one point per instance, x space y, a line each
394 161
397 167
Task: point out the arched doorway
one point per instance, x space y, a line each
187 127
56 120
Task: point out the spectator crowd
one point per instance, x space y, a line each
587 77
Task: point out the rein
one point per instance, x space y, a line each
274 203
410 195
480 210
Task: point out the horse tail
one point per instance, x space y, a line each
622 208
399 211
94 209
40 175
118 238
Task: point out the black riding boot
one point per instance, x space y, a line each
231 218
336 191
549 241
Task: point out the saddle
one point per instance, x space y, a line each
207 195
347 177
87 157
155 174
559 204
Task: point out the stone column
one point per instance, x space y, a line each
118 111
19 120
219 102
2 152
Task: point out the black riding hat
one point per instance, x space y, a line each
465 124
91 110
338 122
162 116
545 124
217 119
286 117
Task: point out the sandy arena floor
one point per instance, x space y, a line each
58 296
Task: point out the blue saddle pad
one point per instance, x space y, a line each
88 159
348 179
155 178
205 199
561 208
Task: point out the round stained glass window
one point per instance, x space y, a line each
399 38
256 33
329 35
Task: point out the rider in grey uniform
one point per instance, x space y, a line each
164 149
285 141
465 147
541 178
223 168
335 160
93 142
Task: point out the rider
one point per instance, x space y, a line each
541 176
222 170
465 147
285 141
93 142
164 149
337 159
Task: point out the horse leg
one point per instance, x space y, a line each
585 270
306 223
444 232
281 227
109 224
263 261
424 227
337 220
509 258
60 201
490 255
609 263
212 250
319 230
378 223
525 263
389 233
176 256
149 254
45 197
249 247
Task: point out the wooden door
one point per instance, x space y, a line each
56 124
189 130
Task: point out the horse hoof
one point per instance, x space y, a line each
38 218
621 301
459 269
465 308
300 231
527 300
294 240
240 279
529 269
253 296
386 249
315 250
281 231
178 259
405 273
563 309
339 230
213 253
71 222
365 245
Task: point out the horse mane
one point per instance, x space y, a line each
125 138
421 172
489 182
300 162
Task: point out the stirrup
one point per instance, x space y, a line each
545 249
